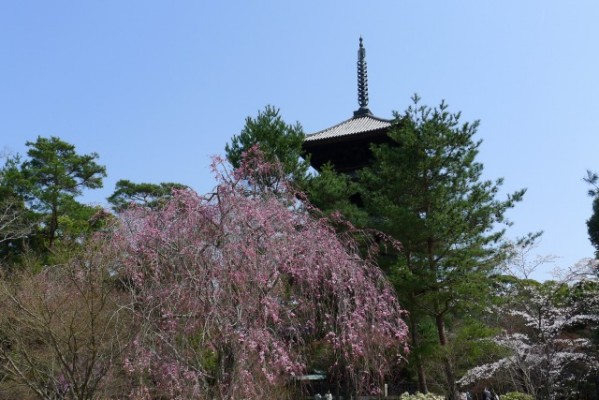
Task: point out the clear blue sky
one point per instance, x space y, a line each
157 87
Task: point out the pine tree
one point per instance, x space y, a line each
426 190
278 141
50 179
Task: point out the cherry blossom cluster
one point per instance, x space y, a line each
233 291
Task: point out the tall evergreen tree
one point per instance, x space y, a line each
51 178
426 190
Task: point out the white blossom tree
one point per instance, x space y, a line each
546 355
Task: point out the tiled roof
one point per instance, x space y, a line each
353 126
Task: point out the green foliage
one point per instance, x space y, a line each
47 183
516 396
592 179
593 222
15 220
145 194
54 170
333 192
469 346
278 141
593 226
19 224
425 189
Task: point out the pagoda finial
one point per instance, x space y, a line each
362 82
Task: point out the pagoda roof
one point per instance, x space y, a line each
353 128
362 126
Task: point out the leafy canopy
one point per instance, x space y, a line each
280 142
425 189
50 179
151 195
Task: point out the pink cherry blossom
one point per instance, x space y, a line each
233 289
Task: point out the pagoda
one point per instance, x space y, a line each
347 145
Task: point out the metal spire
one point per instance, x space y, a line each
362 82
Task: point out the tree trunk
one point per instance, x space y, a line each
422 386
447 365
53 226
